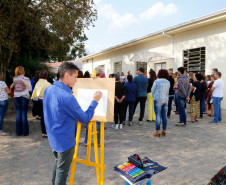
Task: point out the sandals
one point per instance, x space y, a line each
156 134
44 136
163 133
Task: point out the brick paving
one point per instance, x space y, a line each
193 154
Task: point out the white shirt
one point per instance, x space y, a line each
22 86
3 93
219 86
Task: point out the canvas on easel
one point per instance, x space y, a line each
84 90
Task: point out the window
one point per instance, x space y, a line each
159 66
118 67
142 64
194 59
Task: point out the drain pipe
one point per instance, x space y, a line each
172 49
172 42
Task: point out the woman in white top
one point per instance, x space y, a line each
4 91
22 86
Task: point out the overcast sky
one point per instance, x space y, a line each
123 20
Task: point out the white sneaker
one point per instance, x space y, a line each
120 126
115 126
140 122
179 124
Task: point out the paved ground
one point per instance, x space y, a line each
193 154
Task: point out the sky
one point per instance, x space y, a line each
120 21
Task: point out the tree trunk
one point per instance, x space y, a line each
5 62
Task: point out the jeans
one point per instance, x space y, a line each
169 105
176 101
62 163
118 111
3 108
160 112
142 101
131 107
181 106
202 100
98 134
217 109
22 127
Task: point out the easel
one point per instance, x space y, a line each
100 167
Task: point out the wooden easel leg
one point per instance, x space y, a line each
102 153
96 151
88 153
75 154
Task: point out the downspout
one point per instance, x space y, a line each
172 42
172 48
92 64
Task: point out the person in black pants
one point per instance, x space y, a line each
202 97
141 95
119 97
171 93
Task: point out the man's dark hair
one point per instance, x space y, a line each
43 74
86 74
181 70
117 77
199 76
215 69
129 78
67 67
218 73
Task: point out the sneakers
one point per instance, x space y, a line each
179 124
123 122
4 133
140 122
130 123
213 122
115 126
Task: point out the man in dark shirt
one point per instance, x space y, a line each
202 96
171 93
141 96
119 97
182 94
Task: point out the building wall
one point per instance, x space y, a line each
213 37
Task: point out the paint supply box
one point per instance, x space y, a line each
133 174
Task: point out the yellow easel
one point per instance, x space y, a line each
100 167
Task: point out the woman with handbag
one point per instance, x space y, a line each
4 91
22 86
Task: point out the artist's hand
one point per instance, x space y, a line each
97 96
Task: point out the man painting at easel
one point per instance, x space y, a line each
61 111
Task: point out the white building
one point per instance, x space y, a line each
199 44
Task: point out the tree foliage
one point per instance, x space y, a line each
43 29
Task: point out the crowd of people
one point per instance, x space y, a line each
203 92
58 110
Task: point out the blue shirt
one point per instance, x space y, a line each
61 111
141 81
131 89
160 90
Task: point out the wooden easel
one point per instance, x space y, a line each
100 167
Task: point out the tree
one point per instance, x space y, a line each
48 27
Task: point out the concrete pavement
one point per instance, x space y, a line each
193 154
